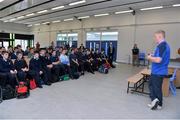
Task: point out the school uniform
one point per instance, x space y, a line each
73 65
88 65
81 61
60 67
19 65
35 67
44 62
6 77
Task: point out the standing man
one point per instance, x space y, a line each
135 55
111 51
160 61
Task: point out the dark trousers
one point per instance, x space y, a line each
8 78
35 75
155 87
111 58
21 75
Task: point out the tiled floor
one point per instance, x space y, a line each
96 96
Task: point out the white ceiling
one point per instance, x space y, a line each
91 7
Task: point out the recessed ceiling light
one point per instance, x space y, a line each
6 21
70 19
59 7
151 8
29 25
1 0
45 23
37 24
56 21
42 11
31 14
13 19
20 17
78 2
84 17
121 12
99 15
176 5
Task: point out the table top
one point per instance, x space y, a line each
148 72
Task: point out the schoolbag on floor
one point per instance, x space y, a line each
76 75
103 69
22 91
32 84
65 77
8 92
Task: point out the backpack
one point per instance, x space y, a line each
32 84
76 75
22 91
7 93
65 77
103 69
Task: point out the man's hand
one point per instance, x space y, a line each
41 72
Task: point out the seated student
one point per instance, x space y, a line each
21 67
14 54
36 70
31 53
57 64
73 61
46 66
65 61
88 62
7 71
26 52
103 56
97 58
81 60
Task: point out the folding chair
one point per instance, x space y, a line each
172 86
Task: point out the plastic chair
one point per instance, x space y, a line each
171 85
142 57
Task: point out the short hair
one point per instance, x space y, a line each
19 53
161 32
4 52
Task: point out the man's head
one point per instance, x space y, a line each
54 53
43 52
135 45
64 51
5 55
36 55
19 55
159 35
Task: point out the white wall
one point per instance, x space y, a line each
14 28
132 29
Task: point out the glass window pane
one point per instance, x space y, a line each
109 36
93 36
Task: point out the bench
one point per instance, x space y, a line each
138 83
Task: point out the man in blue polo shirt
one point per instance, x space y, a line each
160 61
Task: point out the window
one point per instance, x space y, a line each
23 43
109 36
67 37
93 36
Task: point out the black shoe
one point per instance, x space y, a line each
82 73
40 86
48 83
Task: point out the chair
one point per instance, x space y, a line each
171 85
142 57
